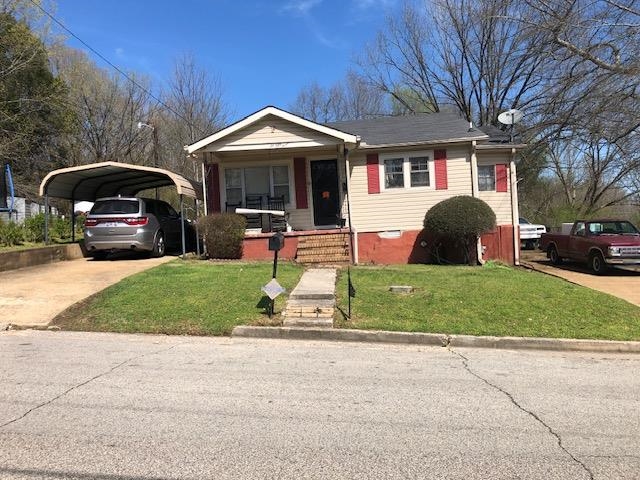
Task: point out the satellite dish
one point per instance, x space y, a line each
510 117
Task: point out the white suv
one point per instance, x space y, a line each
530 233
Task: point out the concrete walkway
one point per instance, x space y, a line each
33 296
312 302
623 284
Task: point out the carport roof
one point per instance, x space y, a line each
107 179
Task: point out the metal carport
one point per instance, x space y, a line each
108 179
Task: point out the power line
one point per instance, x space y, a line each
115 67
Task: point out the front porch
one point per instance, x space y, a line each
273 160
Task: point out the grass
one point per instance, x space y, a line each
492 300
192 297
206 298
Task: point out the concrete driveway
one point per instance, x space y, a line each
33 296
624 284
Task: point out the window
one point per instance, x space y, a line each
233 183
280 175
419 171
486 178
257 181
407 171
394 173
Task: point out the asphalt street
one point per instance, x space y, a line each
121 407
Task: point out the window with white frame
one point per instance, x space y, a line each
412 170
486 178
257 181
394 173
419 171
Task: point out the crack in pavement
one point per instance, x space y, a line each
465 363
75 387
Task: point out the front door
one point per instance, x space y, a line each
324 189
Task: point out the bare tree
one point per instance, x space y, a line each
107 108
349 99
193 107
464 53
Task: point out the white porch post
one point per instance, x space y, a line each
515 214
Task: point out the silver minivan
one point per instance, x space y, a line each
133 224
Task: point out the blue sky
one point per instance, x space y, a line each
264 52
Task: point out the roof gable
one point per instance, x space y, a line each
264 128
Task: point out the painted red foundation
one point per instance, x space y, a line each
412 246
418 246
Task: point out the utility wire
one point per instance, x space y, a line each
115 67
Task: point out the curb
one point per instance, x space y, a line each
437 339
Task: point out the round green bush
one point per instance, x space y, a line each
461 219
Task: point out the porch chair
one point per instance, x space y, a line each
254 220
276 222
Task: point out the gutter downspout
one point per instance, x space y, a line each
474 193
515 214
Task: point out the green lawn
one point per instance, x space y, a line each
205 298
489 300
182 297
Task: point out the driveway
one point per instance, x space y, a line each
77 405
624 284
33 296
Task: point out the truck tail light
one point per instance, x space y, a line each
90 222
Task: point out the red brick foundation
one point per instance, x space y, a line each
412 246
418 246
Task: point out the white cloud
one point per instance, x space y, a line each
300 7
120 52
367 4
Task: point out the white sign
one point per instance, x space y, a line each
273 289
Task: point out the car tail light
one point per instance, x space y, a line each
90 222
138 221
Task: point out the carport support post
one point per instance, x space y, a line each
73 219
184 252
46 219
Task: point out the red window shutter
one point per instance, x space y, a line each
373 173
501 177
213 188
300 178
440 164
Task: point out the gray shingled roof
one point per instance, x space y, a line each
411 129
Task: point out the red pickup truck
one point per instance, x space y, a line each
599 243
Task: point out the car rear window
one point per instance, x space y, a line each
109 207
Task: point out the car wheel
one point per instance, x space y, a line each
597 263
159 246
553 255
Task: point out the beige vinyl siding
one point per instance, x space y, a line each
271 131
404 209
500 202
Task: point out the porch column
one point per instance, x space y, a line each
515 214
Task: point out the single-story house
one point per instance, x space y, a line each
374 178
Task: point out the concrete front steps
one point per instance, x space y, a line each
312 303
328 249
